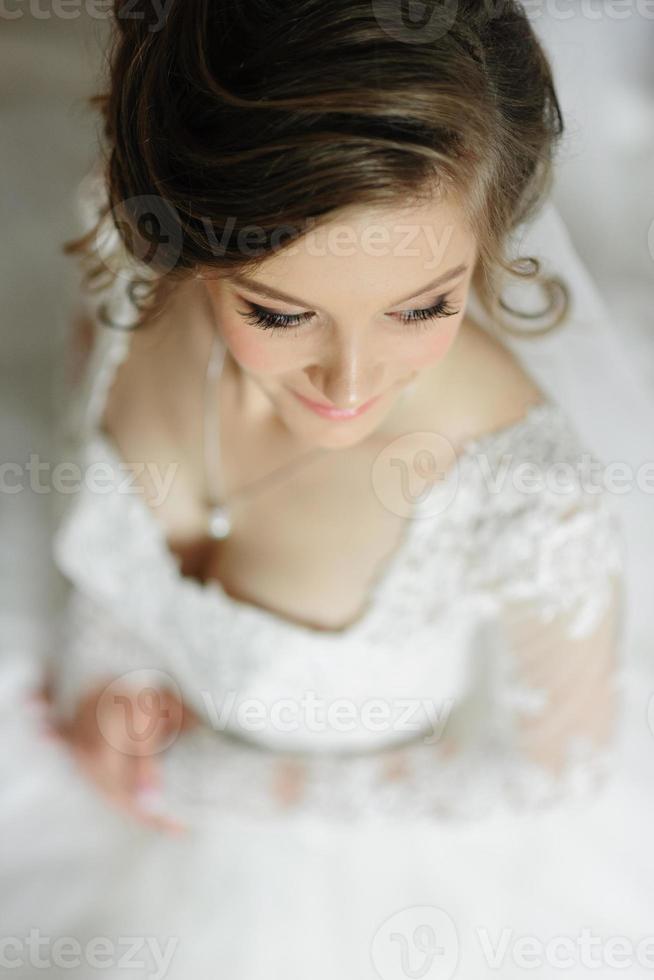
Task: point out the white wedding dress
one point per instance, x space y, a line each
396 845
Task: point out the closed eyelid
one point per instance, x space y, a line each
433 301
433 296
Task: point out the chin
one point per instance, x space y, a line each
341 440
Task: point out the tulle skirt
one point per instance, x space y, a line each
87 891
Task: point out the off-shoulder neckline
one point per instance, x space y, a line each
100 445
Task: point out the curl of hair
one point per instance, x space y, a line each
343 105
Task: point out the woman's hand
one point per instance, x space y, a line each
117 736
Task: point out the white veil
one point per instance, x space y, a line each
582 365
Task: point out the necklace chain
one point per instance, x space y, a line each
220 519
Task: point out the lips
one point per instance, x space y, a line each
327 411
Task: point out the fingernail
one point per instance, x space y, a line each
145 785
149 798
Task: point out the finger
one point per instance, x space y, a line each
147 774
145 807
101 761
115 784
157 821
118 752
289 781
125 726
110 753
174 712
189 718
105 768
134 784
113 775
152 717
148 805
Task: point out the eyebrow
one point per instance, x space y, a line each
272 293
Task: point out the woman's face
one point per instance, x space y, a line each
333 328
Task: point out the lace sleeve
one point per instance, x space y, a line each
555 684
91 647
547 736
536 727
554 663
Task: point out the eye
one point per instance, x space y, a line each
270 320
435 312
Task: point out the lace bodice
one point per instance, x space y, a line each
483 672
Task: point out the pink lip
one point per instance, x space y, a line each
335 413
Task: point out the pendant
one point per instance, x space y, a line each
220 524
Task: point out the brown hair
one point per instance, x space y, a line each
275 113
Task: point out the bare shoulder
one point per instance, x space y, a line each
155 388
483 389
496 372
128 412
152 415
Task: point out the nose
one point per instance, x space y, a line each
347 377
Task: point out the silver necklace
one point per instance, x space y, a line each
219 521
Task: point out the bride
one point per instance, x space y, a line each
330 474
324 318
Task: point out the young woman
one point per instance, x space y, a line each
357 569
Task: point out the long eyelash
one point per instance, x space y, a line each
274 321
265 320
440 309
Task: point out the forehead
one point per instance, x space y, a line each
376 252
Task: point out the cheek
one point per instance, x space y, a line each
254 351
432 347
